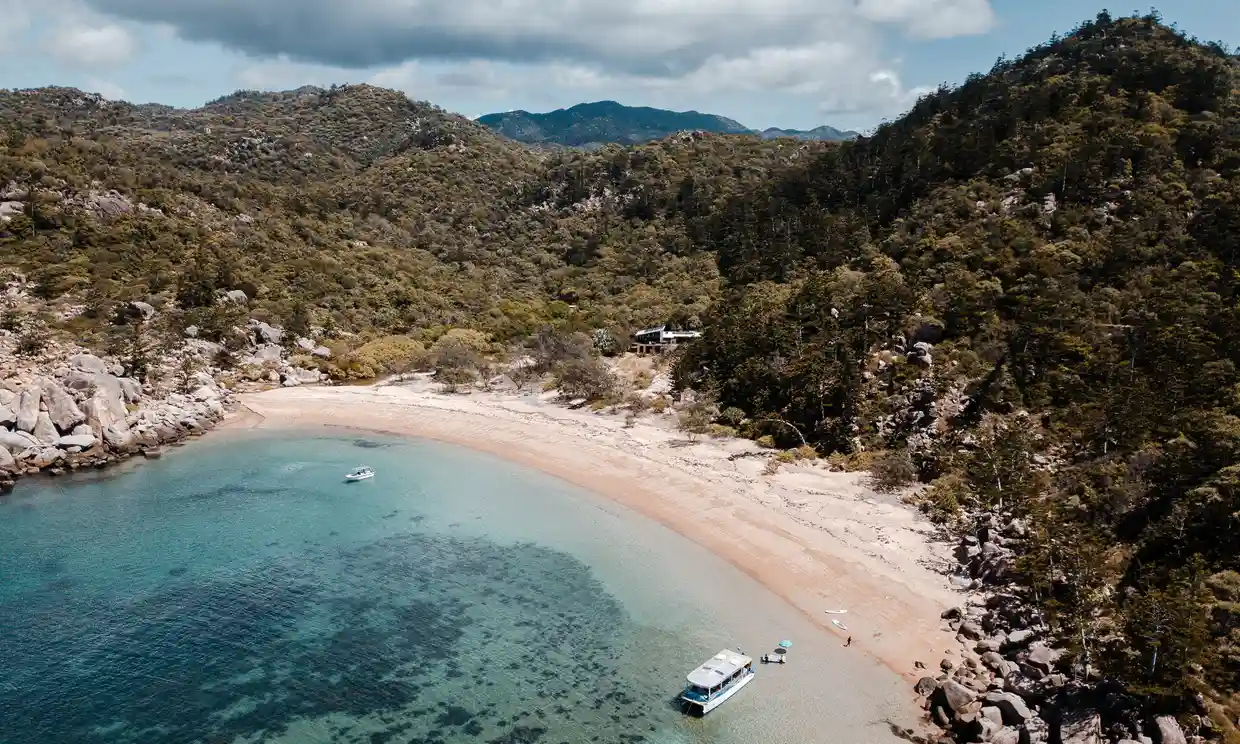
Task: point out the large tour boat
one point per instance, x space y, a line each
721 677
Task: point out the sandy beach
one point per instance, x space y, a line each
816 538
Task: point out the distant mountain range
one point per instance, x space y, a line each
823 132
595 124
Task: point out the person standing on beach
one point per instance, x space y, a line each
848 642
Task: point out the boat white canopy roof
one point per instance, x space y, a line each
718 668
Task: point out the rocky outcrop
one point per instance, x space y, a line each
69 409
1012 684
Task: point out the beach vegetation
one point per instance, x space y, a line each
453 379
697 418
891 471
386 355
588 378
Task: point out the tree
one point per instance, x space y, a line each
136 342
299 323
187 373
552 348
588 378
1167 632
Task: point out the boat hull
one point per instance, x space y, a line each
357 478
702 709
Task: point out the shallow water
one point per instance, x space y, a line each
238 591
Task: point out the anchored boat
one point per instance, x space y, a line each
718 679
360 474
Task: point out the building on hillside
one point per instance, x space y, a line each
659 340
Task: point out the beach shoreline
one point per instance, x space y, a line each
818 540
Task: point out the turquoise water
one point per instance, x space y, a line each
238 591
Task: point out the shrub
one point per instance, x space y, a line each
637 403
765 441
386 355
850 462
453 378
891 471
697 418
804 452
33 340
732 416
944 501
457 339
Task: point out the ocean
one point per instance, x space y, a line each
238 590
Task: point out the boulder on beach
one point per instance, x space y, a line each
61 407
17 442
45 430
28 408
88 363
82 441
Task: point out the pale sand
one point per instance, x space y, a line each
818 539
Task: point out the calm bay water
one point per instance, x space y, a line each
239 591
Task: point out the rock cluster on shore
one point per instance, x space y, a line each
67 408
70 409
1010 684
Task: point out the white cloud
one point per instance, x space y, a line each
80 44
666 38
933 19
830 54
829 51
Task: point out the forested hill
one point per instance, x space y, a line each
360 208
1027 292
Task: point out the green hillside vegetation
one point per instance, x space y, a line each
1063 236
369 212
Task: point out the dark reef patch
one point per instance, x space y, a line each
399 631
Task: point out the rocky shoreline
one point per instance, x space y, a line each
65 408
1010 684
80 411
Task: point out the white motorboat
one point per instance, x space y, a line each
718 679
360 474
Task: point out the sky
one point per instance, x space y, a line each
786 63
